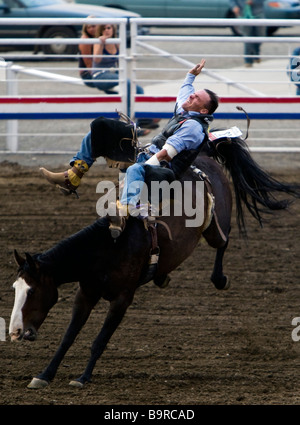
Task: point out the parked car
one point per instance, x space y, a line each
170 8
52 9
282 9
173 8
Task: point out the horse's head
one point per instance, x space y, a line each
35 294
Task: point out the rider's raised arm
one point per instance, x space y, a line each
187 87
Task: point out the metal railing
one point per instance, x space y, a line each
137 64
15 105
142 46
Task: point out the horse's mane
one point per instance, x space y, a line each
75 250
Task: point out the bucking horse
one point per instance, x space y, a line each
113 269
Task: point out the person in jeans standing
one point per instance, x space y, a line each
294 69
250 9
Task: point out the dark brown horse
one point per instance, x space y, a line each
113 270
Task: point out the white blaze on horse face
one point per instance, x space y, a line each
16 320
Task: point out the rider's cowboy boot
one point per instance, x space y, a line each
117 214
68 180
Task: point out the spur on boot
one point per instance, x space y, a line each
68 180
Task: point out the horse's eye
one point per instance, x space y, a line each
30 292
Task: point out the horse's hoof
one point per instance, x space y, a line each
221 284
37 383
76 384
162 282
227 284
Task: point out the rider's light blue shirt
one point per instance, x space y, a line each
190 135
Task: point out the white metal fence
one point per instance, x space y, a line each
35 92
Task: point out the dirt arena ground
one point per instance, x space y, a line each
187 344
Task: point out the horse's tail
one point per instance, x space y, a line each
253 186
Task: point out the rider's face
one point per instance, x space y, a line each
197 102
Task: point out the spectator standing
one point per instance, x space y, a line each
294 69
250 9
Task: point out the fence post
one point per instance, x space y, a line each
133 35
12 125
123 67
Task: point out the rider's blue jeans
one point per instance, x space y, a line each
135 174
134 181
85 151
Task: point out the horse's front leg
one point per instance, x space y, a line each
81 311
114 317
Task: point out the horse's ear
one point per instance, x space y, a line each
19 260
30 262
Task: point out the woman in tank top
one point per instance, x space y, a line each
86 53
105 73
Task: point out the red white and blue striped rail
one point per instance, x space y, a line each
80 107
256 107
59 107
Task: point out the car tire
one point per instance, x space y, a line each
236 30
59 49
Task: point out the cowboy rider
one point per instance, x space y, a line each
184 133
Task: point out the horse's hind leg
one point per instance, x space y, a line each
115 315
215 240
218 278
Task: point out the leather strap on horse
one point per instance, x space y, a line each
166 227
154 255
208 185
